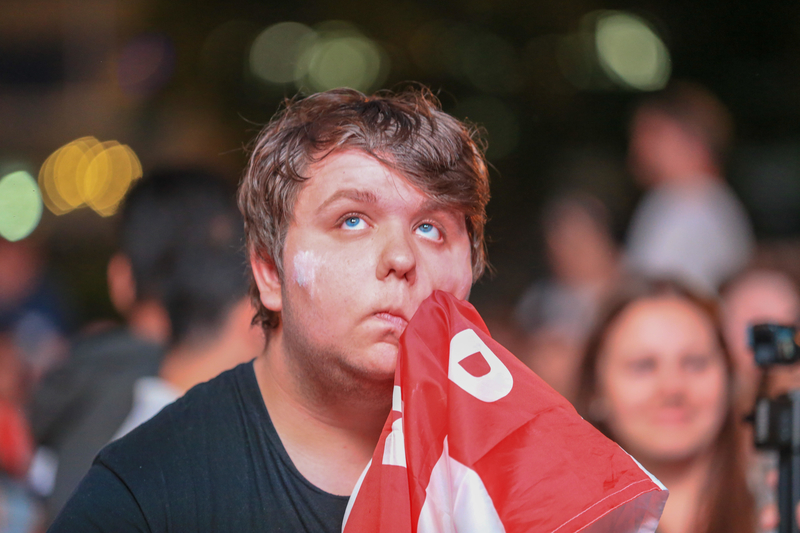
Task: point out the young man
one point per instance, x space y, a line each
204 290
356 208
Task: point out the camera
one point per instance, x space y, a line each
774 345
776 422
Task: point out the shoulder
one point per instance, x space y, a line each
208 408
197 442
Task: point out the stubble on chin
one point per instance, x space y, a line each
326 376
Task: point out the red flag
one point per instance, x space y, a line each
476 442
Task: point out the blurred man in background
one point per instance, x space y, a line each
153 281
206 297
690 224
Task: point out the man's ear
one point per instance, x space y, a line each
121 285
268 282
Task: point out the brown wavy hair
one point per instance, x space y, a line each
728 506
408 132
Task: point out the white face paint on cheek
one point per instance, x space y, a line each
305 269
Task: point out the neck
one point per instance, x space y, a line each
200 359
330 435
184 366
693 175
148 320
686 481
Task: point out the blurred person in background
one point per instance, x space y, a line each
756 296
658 380
19 510
558 312
81 405
33 305
689 225
206 297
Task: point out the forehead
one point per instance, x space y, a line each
355 175
660 325
764 295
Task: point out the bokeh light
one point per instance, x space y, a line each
20 205
88 172
275 52
631 52
342 57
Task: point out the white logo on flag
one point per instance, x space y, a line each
394 451
490 387
456 500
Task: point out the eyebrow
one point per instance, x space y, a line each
357 195
430 205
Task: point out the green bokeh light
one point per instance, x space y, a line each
276 51
631 52
20 205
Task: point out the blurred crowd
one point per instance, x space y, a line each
179 282
647 337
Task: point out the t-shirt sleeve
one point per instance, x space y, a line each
101 503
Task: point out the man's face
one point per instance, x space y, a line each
365 248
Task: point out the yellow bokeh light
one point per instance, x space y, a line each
66 170
47 185
88 172
116 167
93 181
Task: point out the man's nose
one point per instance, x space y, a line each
398 254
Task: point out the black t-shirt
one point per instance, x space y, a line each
212 461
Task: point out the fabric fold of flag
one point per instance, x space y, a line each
476 442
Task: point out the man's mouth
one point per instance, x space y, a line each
398 322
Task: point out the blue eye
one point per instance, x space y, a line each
429 231
353 223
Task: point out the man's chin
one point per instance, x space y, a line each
379 366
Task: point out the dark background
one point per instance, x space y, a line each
59 80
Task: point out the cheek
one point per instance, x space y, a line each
331 280
626 397
456 281
453 273
713 395
305 265
463 283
